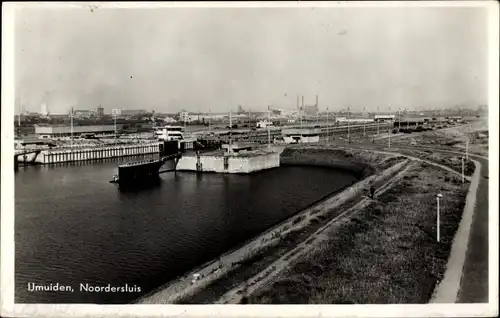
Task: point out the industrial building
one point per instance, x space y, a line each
100 111
62 131
309 110
84 113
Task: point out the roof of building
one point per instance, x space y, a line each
76 129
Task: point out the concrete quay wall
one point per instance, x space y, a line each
234 164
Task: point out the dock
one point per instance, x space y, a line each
66 155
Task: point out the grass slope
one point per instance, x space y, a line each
386 254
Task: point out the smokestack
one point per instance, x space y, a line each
316 101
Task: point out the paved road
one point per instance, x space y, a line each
474 283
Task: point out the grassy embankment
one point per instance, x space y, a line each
302 225
453 162
388 253
453 139
363 162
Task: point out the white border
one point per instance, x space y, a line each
493 102
9 309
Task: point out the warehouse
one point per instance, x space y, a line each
62 131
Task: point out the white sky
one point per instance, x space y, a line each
169 59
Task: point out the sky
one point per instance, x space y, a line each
213 59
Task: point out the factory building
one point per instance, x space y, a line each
100 111
308 110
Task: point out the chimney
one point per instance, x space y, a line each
316 101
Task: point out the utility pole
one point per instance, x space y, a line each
209 115
399 121
364 121
301 109
154 124
327 126
439 196
378 124
317 111
230 128
268 126
19 117
230 117
390 132
348 117
71 118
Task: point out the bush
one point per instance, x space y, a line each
298 219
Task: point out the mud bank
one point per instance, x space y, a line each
231 265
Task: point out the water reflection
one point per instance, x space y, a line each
136 187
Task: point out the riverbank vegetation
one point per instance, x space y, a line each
453 162
360 161
453 139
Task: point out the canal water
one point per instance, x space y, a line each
73 227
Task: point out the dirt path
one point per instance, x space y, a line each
395 152
235 295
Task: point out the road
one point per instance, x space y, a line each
474 283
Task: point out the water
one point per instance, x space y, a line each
72 226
